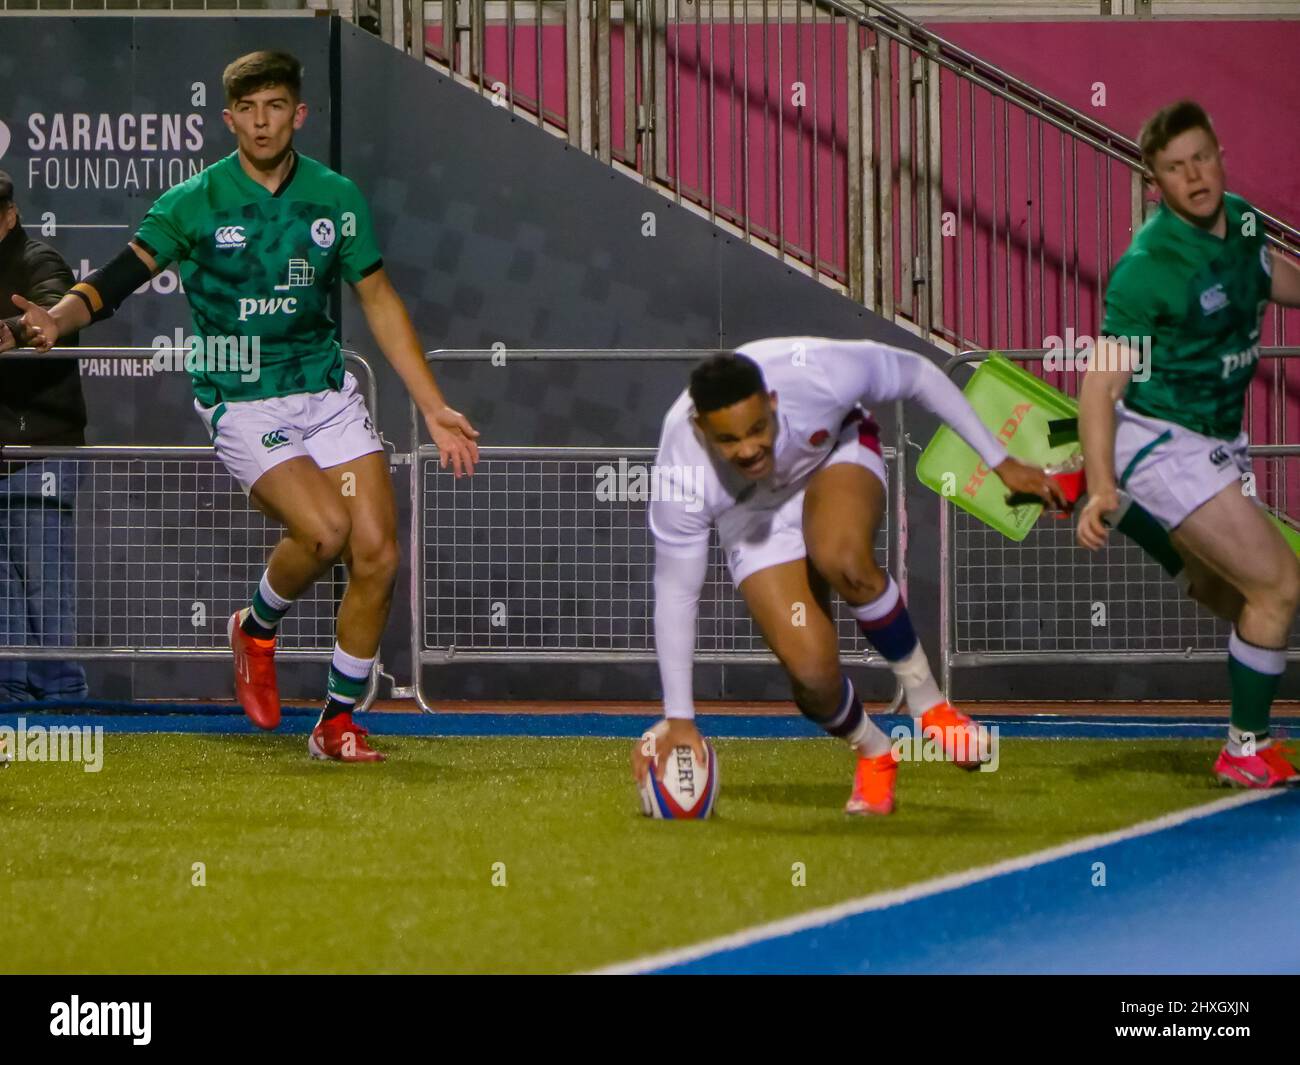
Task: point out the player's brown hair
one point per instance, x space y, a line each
1168 123
262 70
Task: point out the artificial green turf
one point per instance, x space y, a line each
315 867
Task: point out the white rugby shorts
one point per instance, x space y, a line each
754 538
1171 470
252 436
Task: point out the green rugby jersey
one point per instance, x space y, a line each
1200 300
261 264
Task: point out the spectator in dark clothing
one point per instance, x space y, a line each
41 404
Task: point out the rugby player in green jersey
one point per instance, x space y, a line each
1160 418
259 238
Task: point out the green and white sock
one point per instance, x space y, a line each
267 610
348 678
1255 673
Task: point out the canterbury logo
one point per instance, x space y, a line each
1213 299
230 237
1219 456
271 441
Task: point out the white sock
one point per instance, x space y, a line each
919 686
869 739
1237 740
273 598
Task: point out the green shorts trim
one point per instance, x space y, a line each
1142 453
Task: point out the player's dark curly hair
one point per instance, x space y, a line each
724 379
1168 123
262 70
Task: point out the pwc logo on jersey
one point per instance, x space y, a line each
1238 360
1213 299
230 237
275 439
250 305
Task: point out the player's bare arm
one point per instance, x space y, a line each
1101 389
1286 280
392 329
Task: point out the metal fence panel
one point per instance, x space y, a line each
141 552
1046 599
525 561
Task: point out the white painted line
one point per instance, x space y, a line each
885 899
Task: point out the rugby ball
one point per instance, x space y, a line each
688 790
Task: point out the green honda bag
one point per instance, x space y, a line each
1017 407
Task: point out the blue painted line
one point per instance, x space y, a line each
226 719
627 726
114 706
1214 895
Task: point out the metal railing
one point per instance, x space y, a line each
157 547
169 7
846 138
1037 601
525 561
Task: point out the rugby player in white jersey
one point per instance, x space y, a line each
773 444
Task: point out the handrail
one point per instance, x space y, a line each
1028 354
370 385
1097 134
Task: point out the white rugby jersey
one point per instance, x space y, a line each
818 383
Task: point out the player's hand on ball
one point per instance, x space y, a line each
652 748
1092 526
455 437
1030 480
41 329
